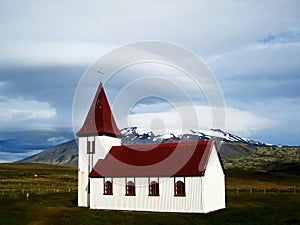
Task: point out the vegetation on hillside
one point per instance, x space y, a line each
264 158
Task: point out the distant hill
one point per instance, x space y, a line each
235 152
62 154
264 158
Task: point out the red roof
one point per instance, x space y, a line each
170 159
99 120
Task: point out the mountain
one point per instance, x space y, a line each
62 154
234 150
134 135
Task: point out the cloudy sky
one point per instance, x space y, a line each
252 48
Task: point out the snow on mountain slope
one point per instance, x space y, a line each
134 135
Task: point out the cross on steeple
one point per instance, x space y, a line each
101 72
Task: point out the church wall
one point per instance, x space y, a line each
165 202
214 184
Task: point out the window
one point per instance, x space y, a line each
154 189
130 187
91 147
88 147
153 186
179 186
108 186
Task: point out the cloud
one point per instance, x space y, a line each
272 60
284 37
76 38
245 123
12 157
2 84
57 140
53 53
13 109
284 110
282 118
237 121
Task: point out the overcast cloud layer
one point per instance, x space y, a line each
252 47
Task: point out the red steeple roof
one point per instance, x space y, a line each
99 120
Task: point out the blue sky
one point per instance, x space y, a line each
252 47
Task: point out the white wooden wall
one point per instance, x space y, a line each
165 202
213 184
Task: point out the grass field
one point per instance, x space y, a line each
56 207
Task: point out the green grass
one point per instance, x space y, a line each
36 177
236 178
58 209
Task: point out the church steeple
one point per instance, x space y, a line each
99 120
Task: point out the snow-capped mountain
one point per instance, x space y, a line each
67 153
134 135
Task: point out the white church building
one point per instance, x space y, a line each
185 177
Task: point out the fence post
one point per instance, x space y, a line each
237 191
27 196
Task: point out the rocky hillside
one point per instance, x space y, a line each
63 154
